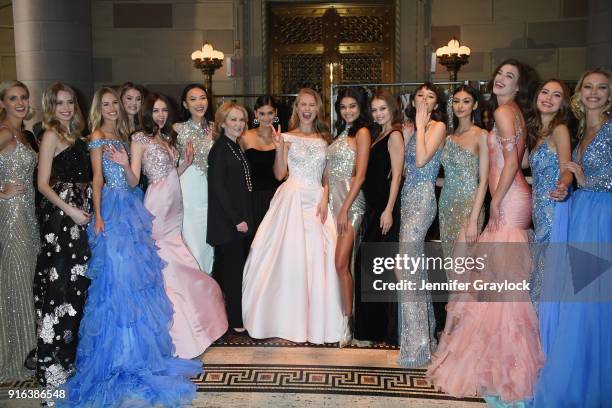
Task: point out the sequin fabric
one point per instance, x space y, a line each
60 284
157 162
418 208
201 139
339 169
596 161
544 165
306 159
19 245
461 168
114 175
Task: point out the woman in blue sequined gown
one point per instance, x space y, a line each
575 310
124 357
548 140
418 207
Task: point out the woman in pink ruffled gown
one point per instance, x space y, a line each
199 310
492 348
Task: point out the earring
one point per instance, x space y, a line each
275 120
255 121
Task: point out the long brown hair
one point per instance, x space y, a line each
318 125
576 103
148 125
396 114
535 129
69 134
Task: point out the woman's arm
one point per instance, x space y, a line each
396 153
561 138
428 141
505 123
363 140
49 146
97 182
282 151
471 232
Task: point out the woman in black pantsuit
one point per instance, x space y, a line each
230 218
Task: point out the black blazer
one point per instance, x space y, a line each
229 199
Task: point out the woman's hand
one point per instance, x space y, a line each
322 210
471 231
119 156
242 227
188 154
386 221
496 218
576 169
342 222
79 216
277 138
99 226
10 190
422 115
560 192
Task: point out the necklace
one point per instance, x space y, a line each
245 165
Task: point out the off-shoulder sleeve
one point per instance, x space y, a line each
95 144
287 137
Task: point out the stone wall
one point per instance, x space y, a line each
8 68
150 42
550 35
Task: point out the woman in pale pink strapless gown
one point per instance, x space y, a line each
199 310
491 348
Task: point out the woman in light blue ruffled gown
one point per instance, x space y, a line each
124 357
549 144
576 307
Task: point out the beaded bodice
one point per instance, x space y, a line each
114 175
201 139
420 175
544 165
306 159
18 167
461 169
340 159
157 162
596 161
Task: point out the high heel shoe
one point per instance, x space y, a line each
347 333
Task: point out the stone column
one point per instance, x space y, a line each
53 43
599 34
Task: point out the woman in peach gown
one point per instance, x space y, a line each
491 348
199 310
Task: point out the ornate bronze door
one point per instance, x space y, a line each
358 39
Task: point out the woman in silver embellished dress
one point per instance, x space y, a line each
347 161
194 183
19 242
418 207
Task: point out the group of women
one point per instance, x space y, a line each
122 297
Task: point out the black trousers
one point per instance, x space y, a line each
227 271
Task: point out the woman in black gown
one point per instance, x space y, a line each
60 285
260 151
377 321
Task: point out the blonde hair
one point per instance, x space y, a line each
4 87
222 114
576 102
319 125
95 113
76 125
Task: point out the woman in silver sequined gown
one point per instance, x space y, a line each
194 183
347 161
418 207
19 242
465 159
